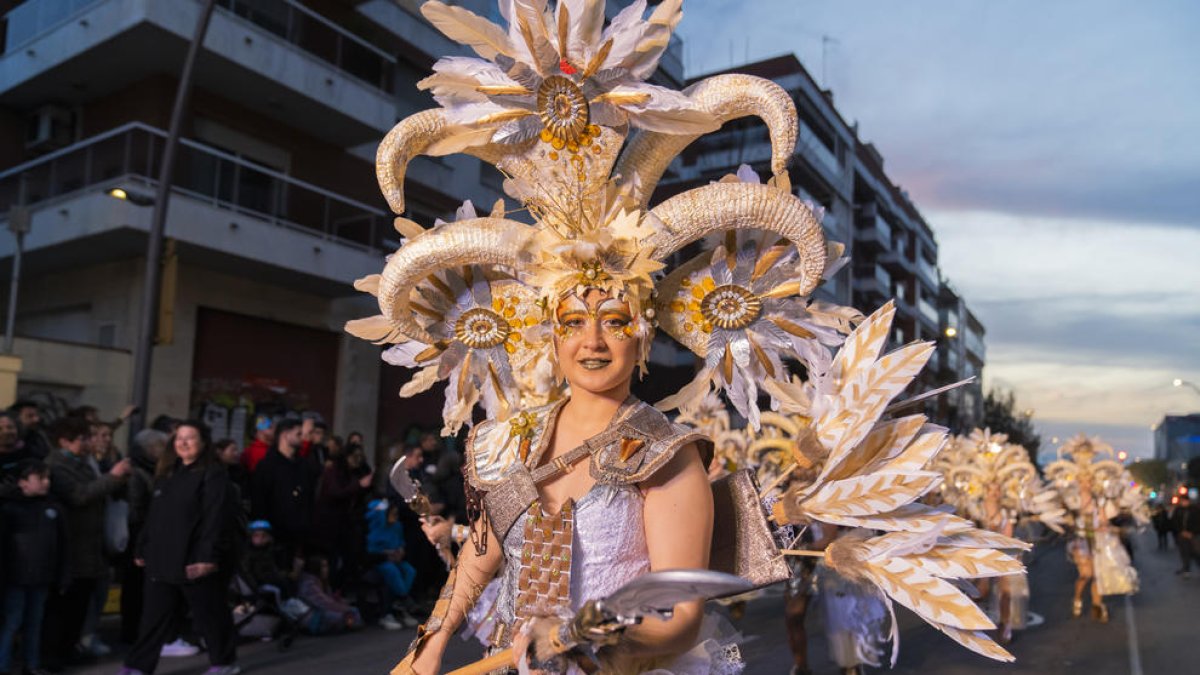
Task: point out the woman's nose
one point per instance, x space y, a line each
594 336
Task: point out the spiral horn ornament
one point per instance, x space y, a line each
416 135
479 241
726 97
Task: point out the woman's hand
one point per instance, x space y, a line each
429 658
437 530
199 570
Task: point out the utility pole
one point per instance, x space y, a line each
154 248
18 223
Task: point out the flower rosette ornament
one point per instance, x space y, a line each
744 308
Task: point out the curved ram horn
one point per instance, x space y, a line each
478 241
727 97
732 206
415 134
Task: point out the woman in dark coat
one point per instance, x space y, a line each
337 518
186 546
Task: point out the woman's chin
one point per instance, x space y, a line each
597 383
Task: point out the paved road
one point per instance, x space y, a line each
1162 620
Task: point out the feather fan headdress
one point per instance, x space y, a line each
984 460
1111 483
550 102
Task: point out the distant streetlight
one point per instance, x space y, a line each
1028 412
131 197
951 331
1184 383
1122 455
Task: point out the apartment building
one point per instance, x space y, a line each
274 210
894 253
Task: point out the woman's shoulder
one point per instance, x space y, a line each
641 444
496 445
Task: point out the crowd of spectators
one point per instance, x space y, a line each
197 535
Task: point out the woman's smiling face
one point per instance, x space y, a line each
595 342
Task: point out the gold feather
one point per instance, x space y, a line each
727 364
761 356
503 90
977 642
406 227
619 98
564 29
504 116
768 258
468 28
598 59
368 284
420 382
794 329
378 329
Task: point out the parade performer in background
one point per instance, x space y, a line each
572 498
993 483
1095 488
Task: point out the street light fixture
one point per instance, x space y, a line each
1178 382
951 331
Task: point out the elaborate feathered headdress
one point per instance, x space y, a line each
974 464
550 102
1111 484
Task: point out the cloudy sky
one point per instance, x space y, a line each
1055 149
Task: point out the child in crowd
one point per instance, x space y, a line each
34 539
331 614
264 562
385 547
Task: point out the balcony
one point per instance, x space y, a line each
220 202
314 34
974 345
896 259
872 279
811 148
273 56
928 273
927 312
876 233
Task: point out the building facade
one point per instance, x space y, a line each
893 251
274 210
1177 440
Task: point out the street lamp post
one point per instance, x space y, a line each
154 248
1184 383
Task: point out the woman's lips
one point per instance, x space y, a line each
594 364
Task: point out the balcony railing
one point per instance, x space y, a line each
928 271
320 37
133 151
974 344
810 143
927 310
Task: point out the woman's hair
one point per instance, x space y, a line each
168 459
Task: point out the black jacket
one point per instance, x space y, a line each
74 483
282 492
189 521
33 532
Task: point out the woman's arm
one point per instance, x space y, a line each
678 514
469 577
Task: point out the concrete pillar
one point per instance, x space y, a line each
10 368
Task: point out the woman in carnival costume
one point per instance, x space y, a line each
993 483
576 487
1096 488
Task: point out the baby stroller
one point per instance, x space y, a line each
264 613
